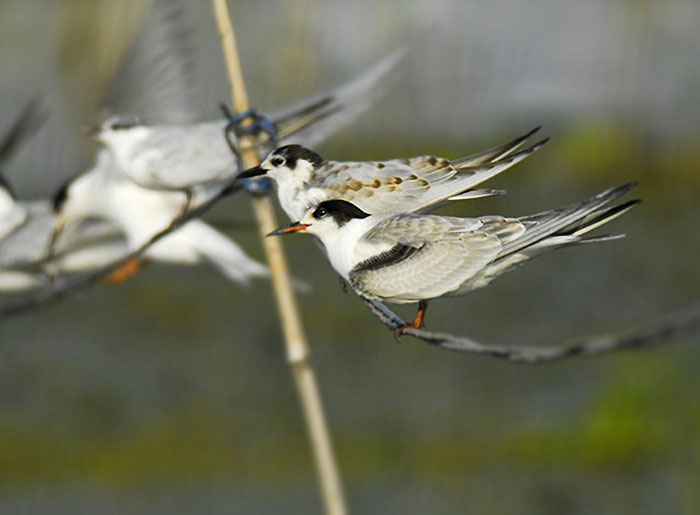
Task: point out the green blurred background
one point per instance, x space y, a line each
170 393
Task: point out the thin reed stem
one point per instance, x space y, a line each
297 349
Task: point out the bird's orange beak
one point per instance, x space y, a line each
90 130
295 227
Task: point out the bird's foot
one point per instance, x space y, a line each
121 274
416 324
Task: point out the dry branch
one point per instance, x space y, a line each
685 322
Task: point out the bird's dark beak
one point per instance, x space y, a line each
58 229
295 227
252 172
89 130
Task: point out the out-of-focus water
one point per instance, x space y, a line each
170 394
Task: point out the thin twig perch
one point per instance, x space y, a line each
678 324
297 348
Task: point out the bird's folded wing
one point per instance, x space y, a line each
415 184
432 256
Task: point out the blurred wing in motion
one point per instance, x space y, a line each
25 125
310 121
155 80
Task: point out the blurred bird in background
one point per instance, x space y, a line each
146 175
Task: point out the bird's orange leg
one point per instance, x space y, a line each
417 322
121 274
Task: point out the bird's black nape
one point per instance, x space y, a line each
6 185
342 211
292 154
125 121
59 198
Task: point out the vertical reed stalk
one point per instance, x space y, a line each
295 340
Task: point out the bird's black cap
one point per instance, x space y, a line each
292 154
342 211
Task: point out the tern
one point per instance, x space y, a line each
141 214
304 179
197 156
406 258
26 227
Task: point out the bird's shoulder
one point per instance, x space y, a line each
392 172
417 230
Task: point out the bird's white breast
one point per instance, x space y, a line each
347 248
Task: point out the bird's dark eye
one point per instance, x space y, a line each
277 161
320 212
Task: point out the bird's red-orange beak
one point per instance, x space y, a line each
90 130
295 227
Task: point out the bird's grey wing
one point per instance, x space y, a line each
86 232
495 153
453 180
88 244
414 184
28 243
155 79
427 256
311 121
570 221
529 236
186 155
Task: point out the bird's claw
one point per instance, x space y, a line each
398 332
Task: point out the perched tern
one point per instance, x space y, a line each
304 179
406 258
26 228
26 259
192 158
142 213
196 155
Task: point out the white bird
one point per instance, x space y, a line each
304 179
406 258
186 156
26 261
26 228
142 213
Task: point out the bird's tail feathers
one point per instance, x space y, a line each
225 255
573 220
500 152
474 171
477 193
554 230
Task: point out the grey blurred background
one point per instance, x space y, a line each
170 394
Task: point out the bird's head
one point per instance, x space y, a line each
115 129
290 162
325 219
